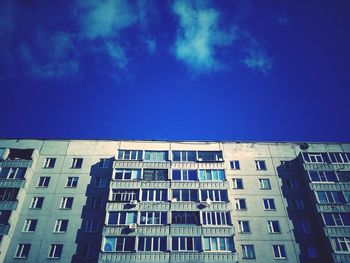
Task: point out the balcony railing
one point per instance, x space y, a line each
134 257
141 164
337 208
155 184
140 230
329 186
337 231
16 163
8 205
217 230
341 258
327 166
12 183
4 229
183 230
203 257
125 184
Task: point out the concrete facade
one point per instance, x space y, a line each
132 201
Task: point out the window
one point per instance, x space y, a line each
37 202
96 203
329 197
152 244
12 173
336 219
120 244
30 225
8 194
217 244
279 251
322 176
240 204
297 204
243 226
260 165
186 243
303 226
346 196
214 195
273 226
248 252
291 184
66 203
49 163
22 251
312 251
104 163
77 163
210 156
185 195
127 174
344 176
187 218
264 184
285 165
341 244
91 225
234 165
153 218
155 174
55 250
211 175
156 156
269 204
129 155
122 218
237 183
185 175
72 182
61 226
216 218
125 195
154 195
43 181
339 157
184 156
313 157
100 182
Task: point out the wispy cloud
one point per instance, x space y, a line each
56 58
151 45
199 35
256 57
117 53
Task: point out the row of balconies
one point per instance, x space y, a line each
166 230
12 183
327 166
16 163
168 165
169 184
337 231
329 186
170 206
337 208
168 257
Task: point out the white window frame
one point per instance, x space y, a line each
59 225
186 243
49 163
260 165
119 213
128 157
263 185
76 163
235 165
236 183
214 195
268 206
126 195
133 172
152 214
13 172
53 249
342 242
316 158
243 226
273 227
43 184
162 192
280 251
217 241
245 251
28 223
64 201
72 182
239 204
153 240
213 217
20 250
35 200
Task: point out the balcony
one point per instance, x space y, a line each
8 205
16 163
214 185
125 184
12 183
116 206
134 257
185 230
327 166
4 229
341 258
337 208
155 184
329 186
203 257
217 231
337 231
141 164
184 184
141 230
154 206
197 165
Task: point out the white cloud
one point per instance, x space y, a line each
199 35
105 18
117 53
257 59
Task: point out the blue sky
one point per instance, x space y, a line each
182 70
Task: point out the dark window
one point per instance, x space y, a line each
191 218
155 175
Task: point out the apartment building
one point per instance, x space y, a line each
173 201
